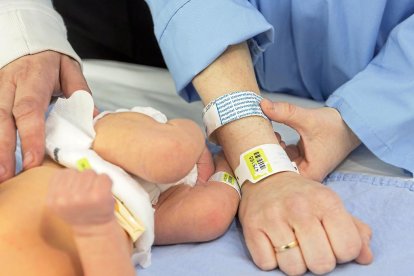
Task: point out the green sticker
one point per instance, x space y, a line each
257 163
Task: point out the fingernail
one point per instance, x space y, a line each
28 159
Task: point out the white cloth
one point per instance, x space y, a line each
29 27
69 136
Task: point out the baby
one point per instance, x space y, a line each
78 231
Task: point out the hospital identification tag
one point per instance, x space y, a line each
231 107
227 179
262 161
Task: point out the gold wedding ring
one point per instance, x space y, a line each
280 249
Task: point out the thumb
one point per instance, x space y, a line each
71 77
285 113
365 256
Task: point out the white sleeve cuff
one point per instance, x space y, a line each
30 27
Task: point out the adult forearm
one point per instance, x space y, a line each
233 71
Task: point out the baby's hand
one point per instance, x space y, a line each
83 199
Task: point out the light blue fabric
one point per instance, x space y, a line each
384 203
356 55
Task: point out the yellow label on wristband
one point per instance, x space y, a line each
229 179
262 161
257 163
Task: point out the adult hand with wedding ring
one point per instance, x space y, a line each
300 224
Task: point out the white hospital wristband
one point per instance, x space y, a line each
231 107
262 161
227 179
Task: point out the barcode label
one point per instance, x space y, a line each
229 179
257 163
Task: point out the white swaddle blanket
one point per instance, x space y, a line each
69 137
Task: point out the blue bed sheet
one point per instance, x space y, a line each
385 203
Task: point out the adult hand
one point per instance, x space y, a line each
26 87
325 139
286 207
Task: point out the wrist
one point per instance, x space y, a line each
97 231
278 180
351 138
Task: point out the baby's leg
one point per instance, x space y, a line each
156 152
195 214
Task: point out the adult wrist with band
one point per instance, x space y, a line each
256 163
263 161
230 107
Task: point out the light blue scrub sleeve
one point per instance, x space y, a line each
193 33
378 103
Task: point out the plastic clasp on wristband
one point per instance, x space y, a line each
230 107
262 161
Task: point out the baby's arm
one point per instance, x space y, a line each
84 201
196 214
156 152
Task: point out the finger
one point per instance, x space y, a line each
291 260
32 98
71 77
260 249
365 256
7 131
104 186
315 246
278 137
286 113
84 182
343 235
103 183
293 152
58 186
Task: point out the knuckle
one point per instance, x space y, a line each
25 107
290 109
25 67
271 213
298 204
350 252
5 114
329 199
